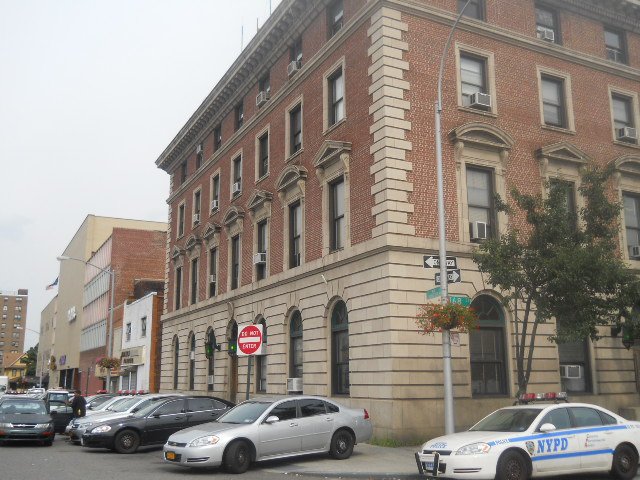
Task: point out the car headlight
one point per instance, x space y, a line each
101 429
6 425
474 449
43 425
204 441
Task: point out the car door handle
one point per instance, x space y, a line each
329 419
293 424
178 418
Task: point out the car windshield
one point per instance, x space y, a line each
124 405
246 412
10 407
149 405
507 420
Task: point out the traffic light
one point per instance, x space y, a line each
210 346
627 336
233 348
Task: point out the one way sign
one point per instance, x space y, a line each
453 276
432 261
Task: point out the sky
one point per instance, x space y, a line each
91 93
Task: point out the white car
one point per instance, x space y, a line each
536 440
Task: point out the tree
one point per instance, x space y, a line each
563 265
31 359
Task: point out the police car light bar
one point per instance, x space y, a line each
542 397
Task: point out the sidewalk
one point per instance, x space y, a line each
367 461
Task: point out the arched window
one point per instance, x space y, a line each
210 350
261 360
295 354
192 360
176 358
487 349
340 349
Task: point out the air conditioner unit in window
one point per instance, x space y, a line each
199 148
570 371
196 218
294 385
547 34
214 205
478 230
212 279
236 188
210 380
615 55
259 258
192 355
627 133
293 68
480 100
262 98
634 252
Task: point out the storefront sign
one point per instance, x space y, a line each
132 356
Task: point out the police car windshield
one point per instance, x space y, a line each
507 420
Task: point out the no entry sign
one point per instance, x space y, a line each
250 340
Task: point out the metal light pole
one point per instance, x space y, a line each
112 274
449 423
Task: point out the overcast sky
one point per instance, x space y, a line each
91 92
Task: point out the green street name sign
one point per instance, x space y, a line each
460 300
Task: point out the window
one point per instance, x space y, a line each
336 213
194 281
480 202
486 349
553 102
143 327
475 9
237 176
183 172
295 234
239 116
473 77
217 137
215 193
178 287
285 411
335 16
632 221
181 220
295 51
586 417
559 418
340 349
176 362
210 354
295 129
200 404
263 155
235 261
171 408
213 271
295 354
196 207
623 118
575 371
615 45
199 156
264 85
567 190
128 332
261 267
192 361
336 97
547 27
261 361
312 407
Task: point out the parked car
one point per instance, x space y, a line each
24 418
264 429
126 407
153 424
35 391
533 440
94 401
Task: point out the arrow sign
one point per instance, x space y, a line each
453 276
431 261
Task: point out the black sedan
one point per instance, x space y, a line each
154 424
25 419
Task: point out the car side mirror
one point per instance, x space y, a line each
547 427
272 419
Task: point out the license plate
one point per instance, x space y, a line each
428 466
170 455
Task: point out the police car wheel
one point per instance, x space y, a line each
625 462
512 466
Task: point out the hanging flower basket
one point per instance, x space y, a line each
435 317
52 363
110 363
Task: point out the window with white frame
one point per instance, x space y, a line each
236 186
547 25
335 17
615 45
622 107
480 193
295 234
295 129
128 332
197 196
337 222
261 266
178 288
180 219
263 154
215 193
235 262
213 271
336 97
194 280
143 327
475 9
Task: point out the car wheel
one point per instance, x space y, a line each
341 445
47 443
625 462
127 441
237 457
512 466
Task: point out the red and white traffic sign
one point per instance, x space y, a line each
250 340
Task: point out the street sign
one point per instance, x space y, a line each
432 261
460 300
434 293
453 276
250 340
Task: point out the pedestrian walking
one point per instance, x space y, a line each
79 405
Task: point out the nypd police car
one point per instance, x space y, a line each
536 440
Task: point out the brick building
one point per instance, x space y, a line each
309 209
12 325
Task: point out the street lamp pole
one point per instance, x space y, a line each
112 274
449 423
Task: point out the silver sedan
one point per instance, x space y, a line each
265 429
